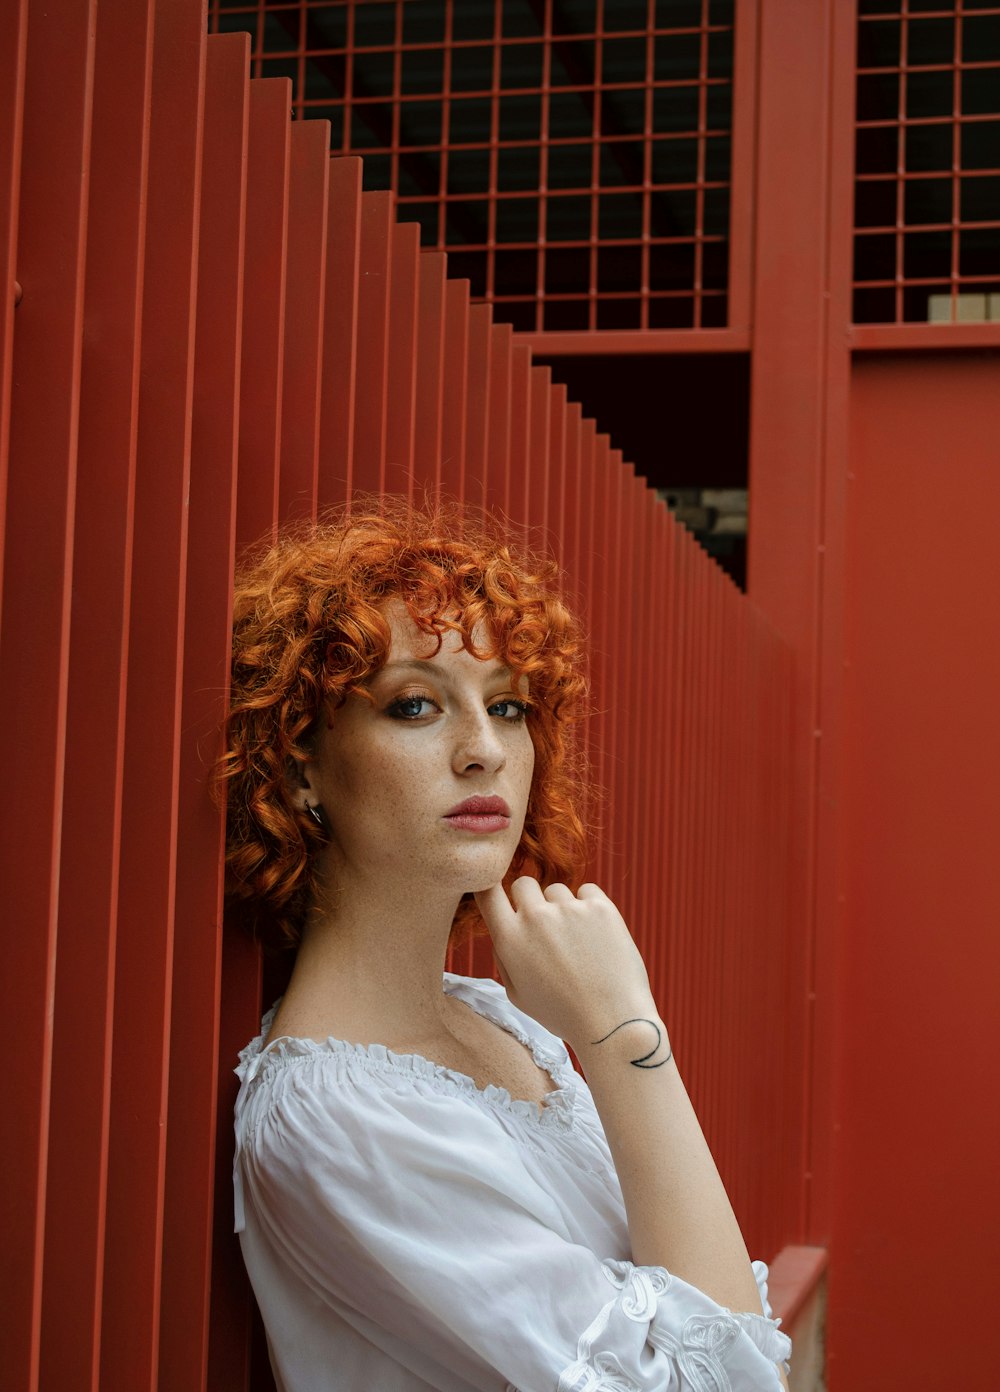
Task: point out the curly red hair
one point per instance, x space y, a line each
309 629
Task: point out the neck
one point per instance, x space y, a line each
372 960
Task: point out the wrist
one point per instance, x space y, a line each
638 1038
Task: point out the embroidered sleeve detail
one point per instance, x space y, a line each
700 1350
714 1351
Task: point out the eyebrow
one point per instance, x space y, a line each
421 664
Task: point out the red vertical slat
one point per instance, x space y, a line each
340 322
478 403
430 371
132 1269
496 494
642 738
402 370
555 499
261 376
88 883
302 364
599 611
195 1006
34 631
538 447
456 367
619 648
13 58
373 341
588 516
680 706
519 465
716 866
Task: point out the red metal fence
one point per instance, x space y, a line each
154 417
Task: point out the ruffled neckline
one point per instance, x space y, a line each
556 1108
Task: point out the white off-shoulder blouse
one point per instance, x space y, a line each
405 1230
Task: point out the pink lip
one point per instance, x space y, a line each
481 815
480 807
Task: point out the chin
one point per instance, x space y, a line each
488 872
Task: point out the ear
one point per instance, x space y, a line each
297 782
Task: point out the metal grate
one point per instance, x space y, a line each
927 192
573 156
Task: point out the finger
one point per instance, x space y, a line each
495 908
558 893
526 892
590 891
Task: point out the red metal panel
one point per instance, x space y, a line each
430 370
340 322
302 366
89 863
34 634
920 950
372 341
190 1161
264 330
132 1270
402 369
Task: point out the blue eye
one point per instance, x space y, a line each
516 710
403 709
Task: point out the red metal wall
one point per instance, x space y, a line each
918 1148
218 331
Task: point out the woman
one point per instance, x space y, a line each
428 1194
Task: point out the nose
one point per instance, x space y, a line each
478 745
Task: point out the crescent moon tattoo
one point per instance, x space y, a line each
641 1062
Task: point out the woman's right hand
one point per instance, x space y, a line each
566 959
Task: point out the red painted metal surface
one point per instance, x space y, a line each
259 339
918 1144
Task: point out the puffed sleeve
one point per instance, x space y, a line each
411 1215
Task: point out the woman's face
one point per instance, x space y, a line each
395 776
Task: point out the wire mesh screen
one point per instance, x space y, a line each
573 156
927 205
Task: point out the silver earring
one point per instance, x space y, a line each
317 816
